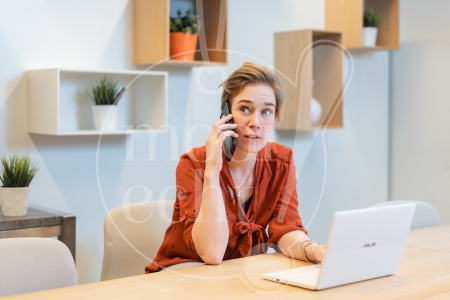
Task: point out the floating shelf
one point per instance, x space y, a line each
59 101
302 58
347 16
152 32
197 63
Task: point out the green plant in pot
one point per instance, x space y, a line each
16 175
106 94
184 36
371 20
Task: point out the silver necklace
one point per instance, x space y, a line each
239 191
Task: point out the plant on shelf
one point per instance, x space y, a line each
187 24
184 36
106 94
371 20
16 175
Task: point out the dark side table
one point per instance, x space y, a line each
41 222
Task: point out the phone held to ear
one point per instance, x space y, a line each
230 142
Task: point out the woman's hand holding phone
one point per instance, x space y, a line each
210 231
214 143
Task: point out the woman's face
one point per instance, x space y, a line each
253 110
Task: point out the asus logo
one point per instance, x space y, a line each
369 245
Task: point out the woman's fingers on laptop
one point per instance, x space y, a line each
319 252
315 252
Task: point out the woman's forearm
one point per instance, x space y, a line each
210 232
290 242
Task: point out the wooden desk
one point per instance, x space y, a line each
41 222
423 273
434 238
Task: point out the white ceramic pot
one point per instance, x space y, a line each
369 36
14 201
316 111
105 117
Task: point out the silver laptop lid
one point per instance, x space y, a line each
365 243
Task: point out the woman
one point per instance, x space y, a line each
223 208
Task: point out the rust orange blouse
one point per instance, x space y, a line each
274 204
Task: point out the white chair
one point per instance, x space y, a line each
133 234
424 216
34 264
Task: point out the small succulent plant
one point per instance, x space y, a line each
187 24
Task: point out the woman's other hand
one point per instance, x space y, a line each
214 143
315 252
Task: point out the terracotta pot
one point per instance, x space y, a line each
183 45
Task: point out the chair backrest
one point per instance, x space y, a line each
34 264
133 235
424 216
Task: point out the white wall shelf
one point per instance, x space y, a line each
59 101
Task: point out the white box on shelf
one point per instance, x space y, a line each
59 101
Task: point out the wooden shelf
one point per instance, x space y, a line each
366 48
189 64
347 16
98 132
301 58
152 31
59 101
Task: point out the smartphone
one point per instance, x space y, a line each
230 142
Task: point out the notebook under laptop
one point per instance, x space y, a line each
362 244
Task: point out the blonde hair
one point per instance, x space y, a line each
252 73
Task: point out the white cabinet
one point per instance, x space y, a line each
59 101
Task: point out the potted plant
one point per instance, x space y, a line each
183 36
106 95
371 20
17 173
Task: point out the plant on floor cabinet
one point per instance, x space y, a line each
16 175
184 36
106 94
371 20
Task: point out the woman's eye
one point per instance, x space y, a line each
267 112
245 109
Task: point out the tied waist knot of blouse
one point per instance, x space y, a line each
246 230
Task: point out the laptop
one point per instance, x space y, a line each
362 244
